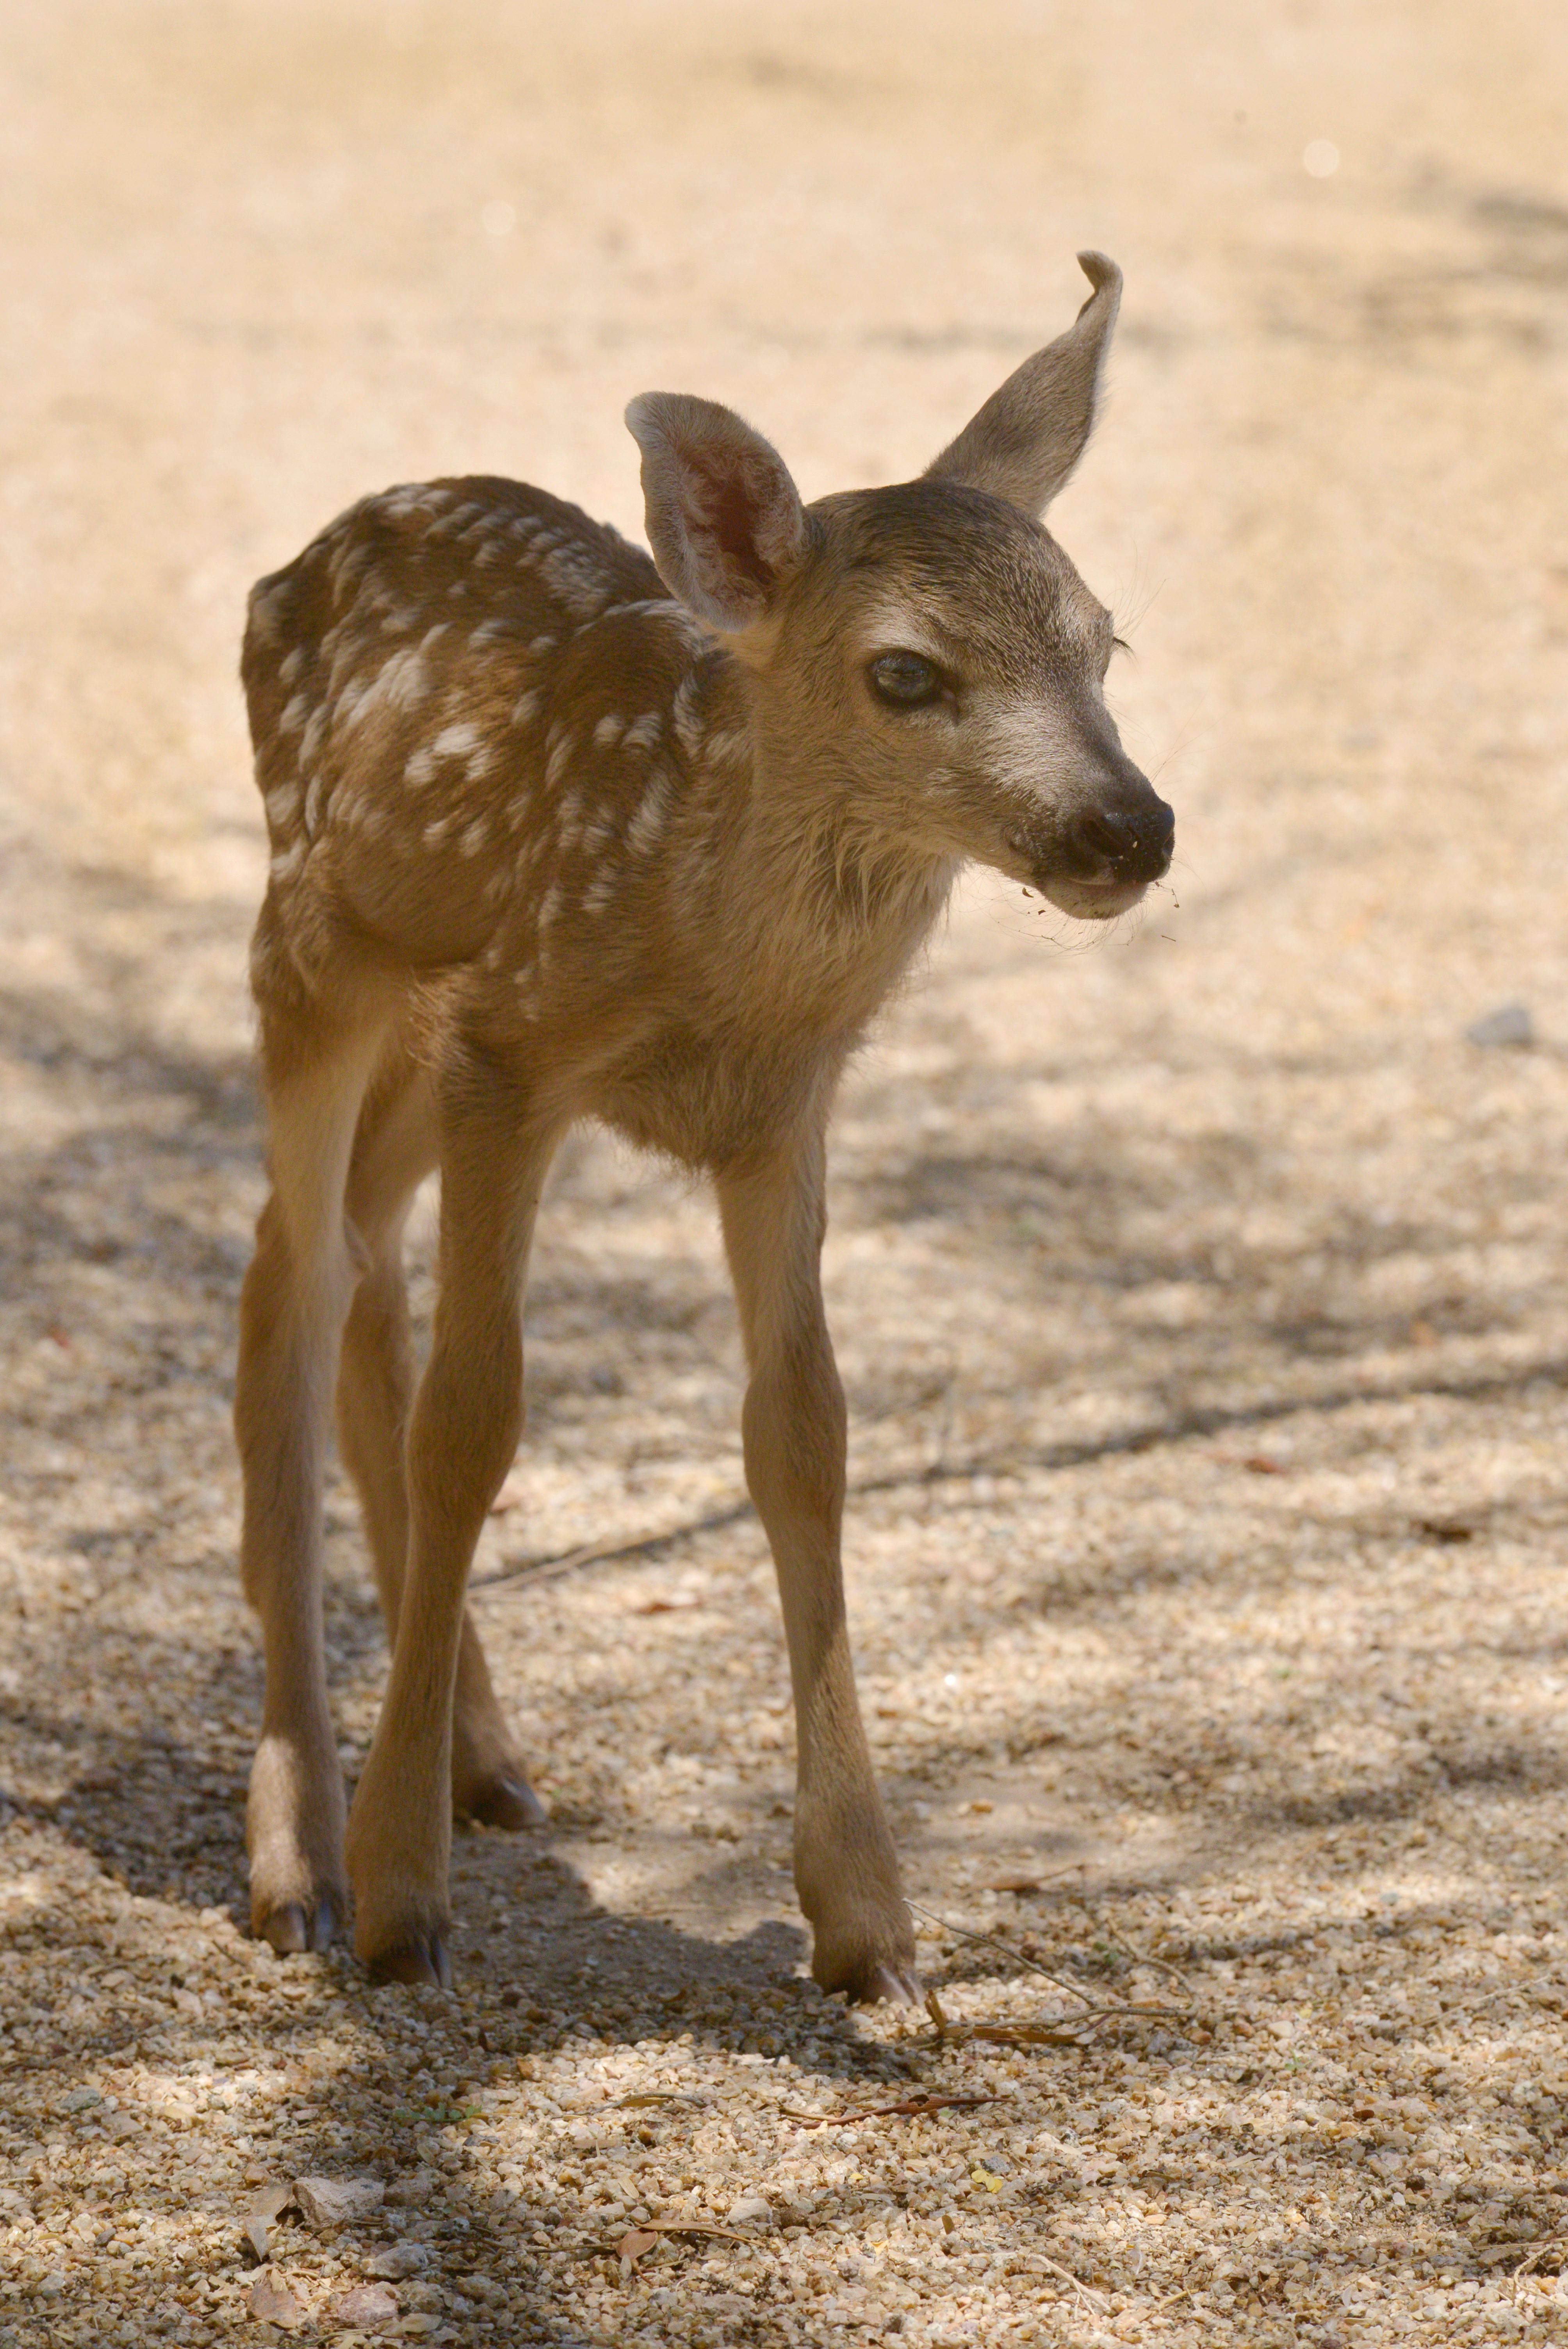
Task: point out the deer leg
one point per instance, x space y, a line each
292 1308
463 1431
395 1149
846 1869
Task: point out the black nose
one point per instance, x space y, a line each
1133 838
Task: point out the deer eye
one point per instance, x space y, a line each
906 681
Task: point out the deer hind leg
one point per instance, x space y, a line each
846 1869
292 1310
397 1146
463 1431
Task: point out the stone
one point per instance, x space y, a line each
401 2259
1510 1026
367 2308
408 2193
337 2201
750 2210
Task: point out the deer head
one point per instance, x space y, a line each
923 661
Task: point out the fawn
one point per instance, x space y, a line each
560 833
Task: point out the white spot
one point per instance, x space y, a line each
290 665
644 732
524 710
281 804
649 820
402 681
608 730
292 714
414 498
489 632
687 724
456 742
568 822
313 800
288 860
475 837
1320 159
268 607
420 768
436 831
597 895
559 758
550 905
433 636
728 746
310 741
541 646
574 579
656 607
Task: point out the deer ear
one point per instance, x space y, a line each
724 520
1025 441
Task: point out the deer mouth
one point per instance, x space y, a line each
1090 901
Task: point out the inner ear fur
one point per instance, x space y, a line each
1025 443
725 518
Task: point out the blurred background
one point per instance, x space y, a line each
1201 1288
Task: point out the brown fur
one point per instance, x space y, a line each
557 834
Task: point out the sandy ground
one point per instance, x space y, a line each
1201 1289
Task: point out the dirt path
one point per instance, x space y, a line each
1202 1290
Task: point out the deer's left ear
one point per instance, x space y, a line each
724 520
1027 439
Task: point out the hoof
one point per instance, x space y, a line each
290 1929
422 1960
507 1801
890 1986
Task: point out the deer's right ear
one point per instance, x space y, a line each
724 520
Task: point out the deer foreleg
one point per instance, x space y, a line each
846 1869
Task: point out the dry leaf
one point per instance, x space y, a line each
635 2242
657 2227
272 2303
265 2205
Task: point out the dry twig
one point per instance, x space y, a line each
1003 1949
908 2108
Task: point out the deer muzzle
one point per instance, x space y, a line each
1105 852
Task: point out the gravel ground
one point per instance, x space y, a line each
1201 1289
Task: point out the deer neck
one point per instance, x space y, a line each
820 908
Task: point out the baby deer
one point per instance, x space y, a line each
560 833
